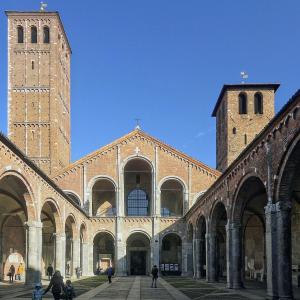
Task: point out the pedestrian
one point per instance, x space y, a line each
11 273
20 271
78 272
57 285
109 273
69 291
50 271
154 273
38 292
68 269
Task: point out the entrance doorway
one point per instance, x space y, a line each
138 262
138 254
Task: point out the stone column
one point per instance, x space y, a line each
197 258
60 259
234 255
211 273
284 263
194 254
85 256
187 255
75 256
120 259
34 252
90 258
271 244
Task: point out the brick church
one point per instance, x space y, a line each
138 201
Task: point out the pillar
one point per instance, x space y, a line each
84 256
155 241
197 258
34 252
60 259
75 256
234 255
120 260
194 254
284 248
211 274
90 258
271 244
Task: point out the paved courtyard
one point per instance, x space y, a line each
139 287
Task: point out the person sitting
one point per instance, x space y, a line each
38 292
57 285
69 291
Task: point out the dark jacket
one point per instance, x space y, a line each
57 285
50 270
69 292
154 272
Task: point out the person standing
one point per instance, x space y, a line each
57 285
50 271
69 291
38 293
154 273
20 271
78 272
11 273
109 273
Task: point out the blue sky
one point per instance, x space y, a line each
165 62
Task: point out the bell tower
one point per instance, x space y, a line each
39 88
241 111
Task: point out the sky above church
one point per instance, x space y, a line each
165 63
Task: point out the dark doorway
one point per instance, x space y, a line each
138 262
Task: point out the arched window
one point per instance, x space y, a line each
46 37
137 203
33 34
234 130
258 103
243 104
20 32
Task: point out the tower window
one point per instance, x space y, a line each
32 65
46 32
234 130
258 104
245 139
33 35
243 104
20 32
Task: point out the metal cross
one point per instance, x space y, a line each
137 126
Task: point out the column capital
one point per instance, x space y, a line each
283 205
233 225
270 208
33 224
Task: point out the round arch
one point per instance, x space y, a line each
74 196
201 250
138 186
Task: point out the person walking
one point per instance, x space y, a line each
109 273
154 273
11 273
78 272
57 285
50 271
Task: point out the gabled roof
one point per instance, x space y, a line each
242 86
138 132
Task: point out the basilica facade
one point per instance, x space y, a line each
138 201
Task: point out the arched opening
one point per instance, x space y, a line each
138 254
171 255
288 233
20 34
243 104
171 198
190 250
33 30
49 214
46 35
258 104
103 198
13 215
73 197
70 232
104 252
218 264
250 213
138 187
201 233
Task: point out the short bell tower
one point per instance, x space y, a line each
241 111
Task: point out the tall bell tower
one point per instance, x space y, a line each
39 88
241 111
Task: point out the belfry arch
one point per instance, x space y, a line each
138 187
